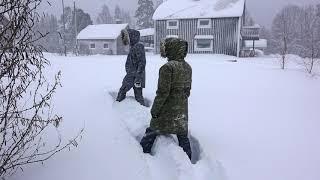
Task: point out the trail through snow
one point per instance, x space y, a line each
169 161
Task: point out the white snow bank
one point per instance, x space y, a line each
101 31
185 9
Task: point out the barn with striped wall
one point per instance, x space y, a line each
223 32
209 26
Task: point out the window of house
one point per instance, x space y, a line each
203 43
92 45
105 46
204 23
172 24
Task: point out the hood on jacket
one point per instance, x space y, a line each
130 36
174 49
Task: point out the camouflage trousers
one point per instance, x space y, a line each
150 136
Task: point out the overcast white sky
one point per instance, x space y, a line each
263 11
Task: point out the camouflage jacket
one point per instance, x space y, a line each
170 107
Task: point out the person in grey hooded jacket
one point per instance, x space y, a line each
135 66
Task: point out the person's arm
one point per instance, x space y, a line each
164 86
141 64
188 88
141 58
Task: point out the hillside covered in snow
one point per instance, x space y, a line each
252 121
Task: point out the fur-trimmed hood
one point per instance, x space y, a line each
130 36
174 49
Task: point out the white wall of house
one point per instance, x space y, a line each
108 47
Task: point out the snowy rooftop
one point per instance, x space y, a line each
102 31
186 9
147 32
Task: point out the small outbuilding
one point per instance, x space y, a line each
102 39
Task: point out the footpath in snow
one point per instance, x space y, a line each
169 160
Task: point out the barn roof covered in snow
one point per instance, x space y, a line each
188 9
101 31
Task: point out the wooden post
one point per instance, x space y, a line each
64 30
253 48
75 27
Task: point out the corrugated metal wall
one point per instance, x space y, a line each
224 31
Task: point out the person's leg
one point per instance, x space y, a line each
122 93
138 95
127 84
185 144
148 140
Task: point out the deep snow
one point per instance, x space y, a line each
253 121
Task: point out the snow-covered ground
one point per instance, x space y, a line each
253 122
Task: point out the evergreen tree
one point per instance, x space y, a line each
83 20
126 18
48 27
104 17
248 20
158 3
117 13
144 14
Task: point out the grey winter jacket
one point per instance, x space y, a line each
136 60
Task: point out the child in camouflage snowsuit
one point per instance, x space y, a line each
170 108
135 66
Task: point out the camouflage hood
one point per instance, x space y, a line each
174 49
130 36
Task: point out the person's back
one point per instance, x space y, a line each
170 108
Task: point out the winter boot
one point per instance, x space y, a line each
185 144
148 140
138 95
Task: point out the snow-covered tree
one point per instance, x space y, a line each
48 26
104 17
117 13
309 44
83 20
158 3
265 33
126 18
248 20
144 14
285 34
25 93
